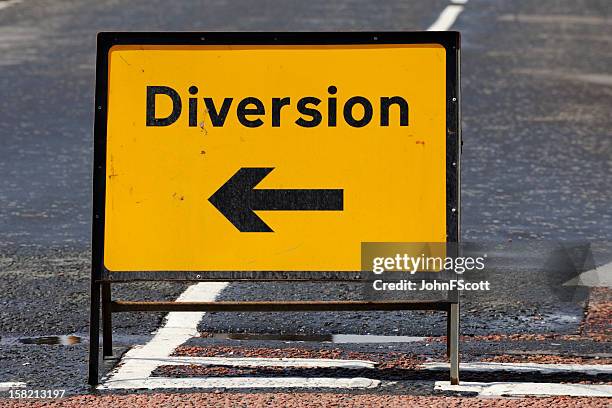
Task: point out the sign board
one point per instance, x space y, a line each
272 151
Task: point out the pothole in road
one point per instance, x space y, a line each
62 340
70 339
50 340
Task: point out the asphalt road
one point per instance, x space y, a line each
537 92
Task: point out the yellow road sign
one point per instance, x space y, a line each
258 152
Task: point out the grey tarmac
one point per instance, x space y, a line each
536 168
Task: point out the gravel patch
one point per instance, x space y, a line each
302 400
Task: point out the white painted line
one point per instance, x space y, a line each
5 386
135 368
598 277
507 389
140 361
592 369
368 338
241 382
556 19
6 4
447 18
268 362
459 1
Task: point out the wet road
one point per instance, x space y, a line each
537 92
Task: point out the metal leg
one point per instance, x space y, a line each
107 322
94 333
448 330
453 334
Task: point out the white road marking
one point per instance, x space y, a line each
242 382
135 368
604 271
599 79
598 277
556 19
140 361
5 386
269 362
6 4
591 369
447 18
509 389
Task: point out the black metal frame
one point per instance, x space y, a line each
102 278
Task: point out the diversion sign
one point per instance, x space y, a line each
272 151
264 156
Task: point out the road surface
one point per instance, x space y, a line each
537 93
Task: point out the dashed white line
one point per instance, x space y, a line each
591 369
555 19
447 18
508 389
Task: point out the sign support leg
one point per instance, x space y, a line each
453 335
94 333
448 331
107 322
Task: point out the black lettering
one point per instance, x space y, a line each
218 118
152 92
385 104
313 113
332 107
243 111
193 112
277 104
251 111
193 107
348 111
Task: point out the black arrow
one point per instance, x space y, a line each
237 199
